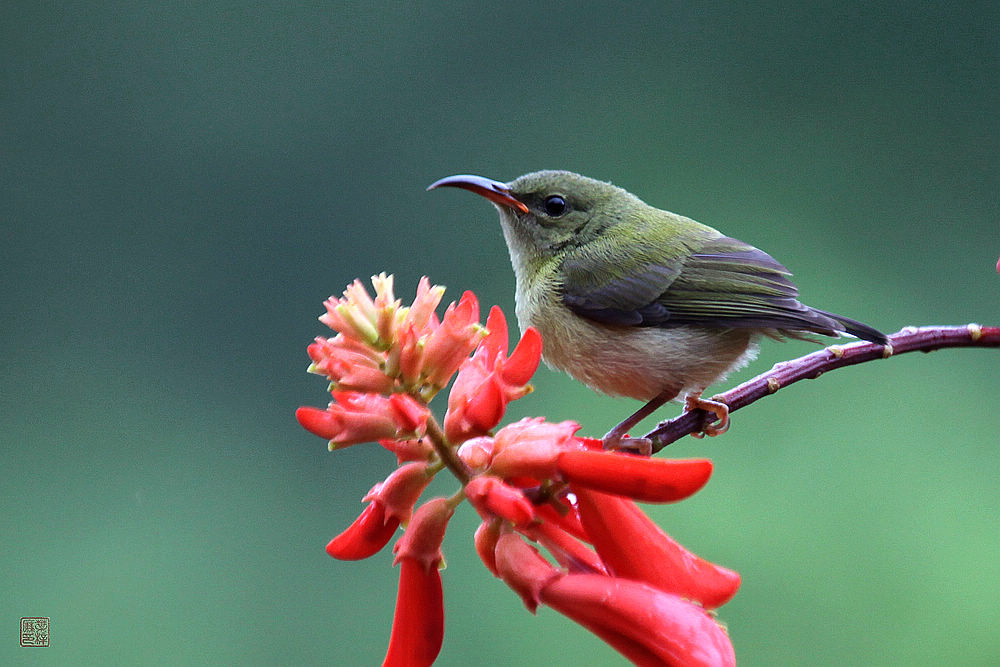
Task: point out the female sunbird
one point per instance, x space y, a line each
635 301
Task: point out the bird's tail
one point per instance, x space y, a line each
855 328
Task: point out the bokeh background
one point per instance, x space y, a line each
184 183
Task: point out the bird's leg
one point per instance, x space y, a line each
694 401
615 438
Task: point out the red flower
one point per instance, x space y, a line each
569 551
452 342
359 317
645 624
634 547
531 447
350 364
491 497
490 380
420 315
541 450
354 417
636 588
485 540
418 623
418 449
641 478
391 504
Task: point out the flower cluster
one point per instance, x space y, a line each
609 567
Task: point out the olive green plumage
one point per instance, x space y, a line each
637 301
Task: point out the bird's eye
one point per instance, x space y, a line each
555 206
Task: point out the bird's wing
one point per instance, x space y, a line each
722 282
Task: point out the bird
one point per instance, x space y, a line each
636 301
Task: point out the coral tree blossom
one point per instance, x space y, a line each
608 567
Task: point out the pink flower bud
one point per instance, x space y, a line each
343 427
416 449
452 342
354 315
421 313
411 354
410 415
350 364
360 417
400 490
491 497
423 537
531 447
476 453
486 543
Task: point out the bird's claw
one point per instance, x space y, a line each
720 409
641 446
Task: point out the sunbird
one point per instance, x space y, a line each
636 301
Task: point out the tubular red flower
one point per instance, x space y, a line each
641 478
647 625
490 380
418 622
400 490
391 503
569 551
371 531
355 417
343 427
634 547
523 361
567 517
491 497
475 404
523 569
644 623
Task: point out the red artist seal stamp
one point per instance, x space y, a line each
35 631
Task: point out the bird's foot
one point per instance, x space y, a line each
720 409
623 443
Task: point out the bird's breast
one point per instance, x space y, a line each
638 362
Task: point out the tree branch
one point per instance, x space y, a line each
811 366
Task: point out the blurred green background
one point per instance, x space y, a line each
184 183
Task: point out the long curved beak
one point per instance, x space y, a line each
495 191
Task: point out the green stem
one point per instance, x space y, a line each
446 452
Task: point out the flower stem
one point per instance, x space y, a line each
446 452
811 366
